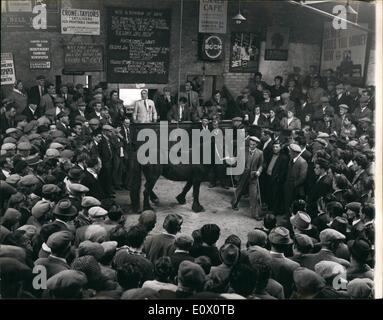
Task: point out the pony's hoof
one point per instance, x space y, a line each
196 207
181 199
147 207
155 200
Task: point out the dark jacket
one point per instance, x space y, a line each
53 265
310 260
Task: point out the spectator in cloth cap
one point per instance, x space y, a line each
361 252
282 267
68 284
76 192
361 289
218 278
162 244
40 214
24 149
183 246
308 284
83 219
205 241
303 244
330 240
60 246
11 219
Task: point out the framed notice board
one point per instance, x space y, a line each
138 45
83 57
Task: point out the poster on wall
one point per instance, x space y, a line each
211 46
30 15
138 45
39 54
244 52
7 69
345 51
277 44
83 57
212 16
80 21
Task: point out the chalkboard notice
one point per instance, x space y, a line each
83 57
138 45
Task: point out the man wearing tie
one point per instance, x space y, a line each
144 109
164 103
37 91
180 112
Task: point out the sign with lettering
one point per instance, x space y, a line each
245 52
138 45
30 15
80 21
277 44
212 47
83 57
212 16
345 51
39 54
7 69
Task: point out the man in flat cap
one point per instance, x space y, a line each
164 102
363 111
37 91
144 109
47 100
295 177
249 178
329 239
341 97
320 111
33 111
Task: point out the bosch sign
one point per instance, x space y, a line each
212 47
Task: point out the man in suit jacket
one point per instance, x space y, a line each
68 98
106 155
321 187
295 177
33 111
219 105
180 112
90 178
341 97
47 100
290 122
282 268
144 109
362 111
192 101
320 111
329 239
303 108
37 91
7 119
164 103
250 176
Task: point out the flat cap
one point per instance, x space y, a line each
50 189
75 173
95 233
329 269
294 147
344 106
67 279
14 252
59 240
13 179
172 219
321 141
280 235
57 134
11 216
94 121
140 294
11 130
329 235
308 281
34 136
361 288
365 119
183 241
364 99
90 248
323 135
9 140
237 119
28 180
55 145
8 146
67 154
89 201
97 212
229 254
77 188
52 154
191 275
33 159
147 216
30 126
40 208
304 240
107 127
354 206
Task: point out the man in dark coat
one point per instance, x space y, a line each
91 180
105 152
295 177
180 112
37 91
164 103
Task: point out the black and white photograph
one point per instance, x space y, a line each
199 150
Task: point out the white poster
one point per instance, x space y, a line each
19 5
344 51
7 69
212 16
80 21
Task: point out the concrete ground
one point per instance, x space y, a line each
216 202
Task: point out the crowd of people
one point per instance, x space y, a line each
308 176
